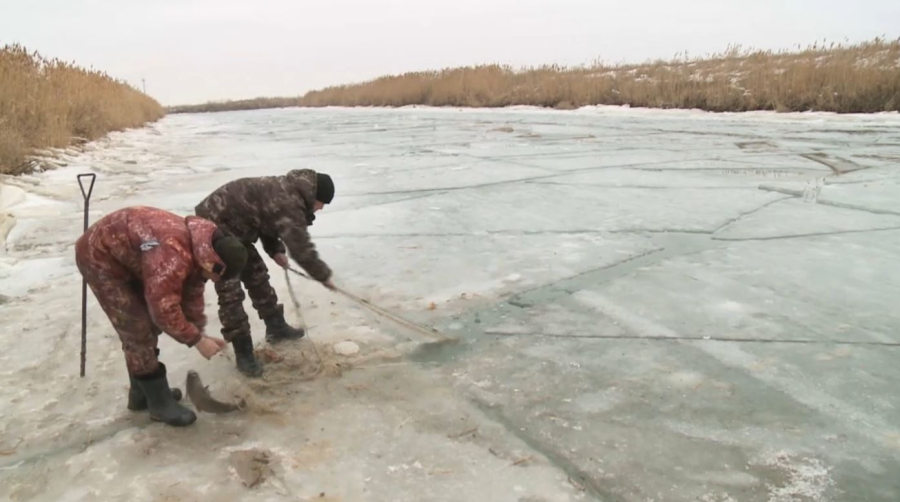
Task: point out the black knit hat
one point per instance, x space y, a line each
324 188
232 252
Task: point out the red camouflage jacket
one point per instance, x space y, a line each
166 252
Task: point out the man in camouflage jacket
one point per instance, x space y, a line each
277 211
148 268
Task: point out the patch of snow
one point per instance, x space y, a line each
807 478
346 348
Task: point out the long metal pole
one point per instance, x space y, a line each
87 205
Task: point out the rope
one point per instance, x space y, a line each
660 338
299 313
430 332
436 334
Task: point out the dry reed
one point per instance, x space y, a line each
235 105
48 103
840 78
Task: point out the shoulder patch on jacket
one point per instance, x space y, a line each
147 246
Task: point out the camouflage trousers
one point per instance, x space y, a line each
122 300
255 277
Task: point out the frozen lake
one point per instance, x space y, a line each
663 306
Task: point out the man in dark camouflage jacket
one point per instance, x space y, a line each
276 210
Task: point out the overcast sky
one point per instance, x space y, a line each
198 50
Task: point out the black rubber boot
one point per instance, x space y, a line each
137 401
160 403
278 330
245 358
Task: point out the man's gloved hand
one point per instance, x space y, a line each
210 346
282 260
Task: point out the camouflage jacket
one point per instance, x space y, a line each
274 209
166 252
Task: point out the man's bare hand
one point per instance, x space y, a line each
210 346
282 260
330 285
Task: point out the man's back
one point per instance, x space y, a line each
250 207
121 234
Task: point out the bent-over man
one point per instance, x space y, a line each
276 210
147 268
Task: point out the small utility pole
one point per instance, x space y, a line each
144 85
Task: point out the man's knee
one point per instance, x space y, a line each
255 272
263 296
140 358
257 281
229 292
231 309
133 324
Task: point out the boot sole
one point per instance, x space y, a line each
258 374
155 419
252 374
274 340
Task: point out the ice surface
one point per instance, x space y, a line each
794 217
668 306
878 198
